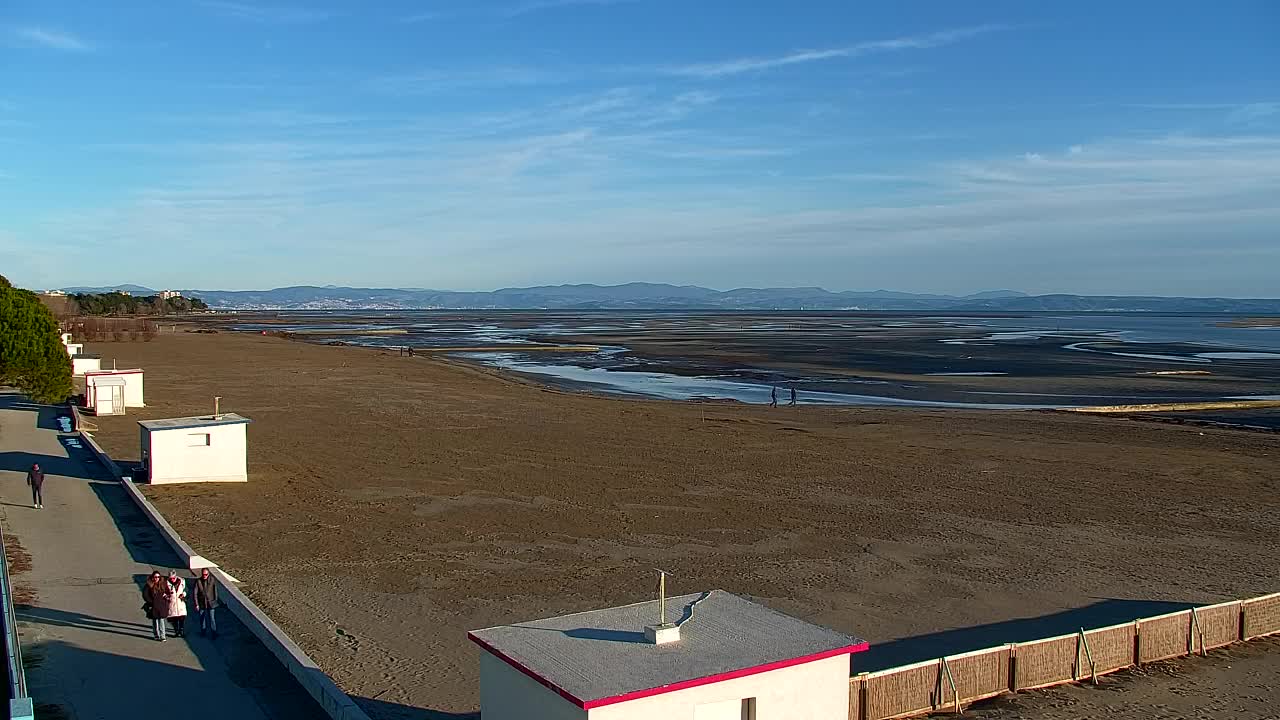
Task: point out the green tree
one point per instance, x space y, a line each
32 357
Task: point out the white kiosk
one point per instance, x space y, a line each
210 448
104 394
131 382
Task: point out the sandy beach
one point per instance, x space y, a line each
396 502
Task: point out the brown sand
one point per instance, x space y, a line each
397 502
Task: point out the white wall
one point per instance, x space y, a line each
80 364
133 396
133 390
174 458
100 398
508 694
817 690
74 349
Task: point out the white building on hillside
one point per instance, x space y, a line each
166 294
212 448
729 659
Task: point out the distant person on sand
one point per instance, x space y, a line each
155 602
177 603
793 397
773 397
35 478
206 601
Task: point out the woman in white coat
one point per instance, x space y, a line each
177 603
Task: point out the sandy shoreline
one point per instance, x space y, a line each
397 502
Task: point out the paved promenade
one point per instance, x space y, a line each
87 645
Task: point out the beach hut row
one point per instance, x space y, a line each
106 392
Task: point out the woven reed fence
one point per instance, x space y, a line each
952 682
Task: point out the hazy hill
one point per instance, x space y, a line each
657 296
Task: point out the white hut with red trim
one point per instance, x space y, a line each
720 658
131 381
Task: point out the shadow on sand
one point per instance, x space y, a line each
905 651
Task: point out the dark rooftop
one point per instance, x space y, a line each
601 657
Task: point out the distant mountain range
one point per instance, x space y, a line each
656 296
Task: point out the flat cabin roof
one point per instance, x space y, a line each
88 356
131 371
104 380
601 657
184 423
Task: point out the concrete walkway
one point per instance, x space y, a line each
87 645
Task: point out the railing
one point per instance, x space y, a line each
12 649
950 683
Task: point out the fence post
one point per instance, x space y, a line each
862 697
1013 667
945 670
1242 636
1137 643
1192 631
1088 654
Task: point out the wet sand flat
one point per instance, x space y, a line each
397 502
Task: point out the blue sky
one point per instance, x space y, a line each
924 146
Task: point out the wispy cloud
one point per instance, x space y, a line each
423 17
272 14
539 5
754 64
432 80
51 39
1251 113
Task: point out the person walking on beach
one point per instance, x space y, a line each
206 601
155 602
35 478
793 396
773 396
177 603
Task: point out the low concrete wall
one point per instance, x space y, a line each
336 703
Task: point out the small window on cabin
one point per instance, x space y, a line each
198 440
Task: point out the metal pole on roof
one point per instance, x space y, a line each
662 595
216 404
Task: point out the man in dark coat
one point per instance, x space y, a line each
35 478
206 601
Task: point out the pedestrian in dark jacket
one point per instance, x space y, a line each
206 601
35 478
155 602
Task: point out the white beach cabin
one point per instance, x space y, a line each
104 394
720 658
133 390
84 363
73 349
195 449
